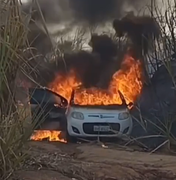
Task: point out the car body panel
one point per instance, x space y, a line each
99 120
48 107
98 117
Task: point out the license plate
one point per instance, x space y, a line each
101 128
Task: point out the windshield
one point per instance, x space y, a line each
76 94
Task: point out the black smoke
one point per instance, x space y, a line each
93 69
142 31
96 11
91 11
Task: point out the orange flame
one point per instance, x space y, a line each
127 80
39 135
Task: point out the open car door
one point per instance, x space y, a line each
48 109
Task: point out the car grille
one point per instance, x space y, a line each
88 128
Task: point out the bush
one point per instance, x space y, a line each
13 134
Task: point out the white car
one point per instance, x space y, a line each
78 120
102 121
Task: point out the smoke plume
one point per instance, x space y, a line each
94 69
91 11
142 31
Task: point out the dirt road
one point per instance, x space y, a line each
56 161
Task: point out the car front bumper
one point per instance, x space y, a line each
83 128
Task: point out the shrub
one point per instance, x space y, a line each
13 133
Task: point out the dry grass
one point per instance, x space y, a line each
162 53
13 135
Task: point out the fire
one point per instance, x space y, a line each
127 80
39 135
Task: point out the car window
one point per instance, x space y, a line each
38 96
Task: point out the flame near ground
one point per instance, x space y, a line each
39 135
127 80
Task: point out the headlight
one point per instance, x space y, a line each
124 115
77 115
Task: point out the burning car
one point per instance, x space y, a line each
112 120
94 111
53 113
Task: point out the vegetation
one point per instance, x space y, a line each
163 54
13 134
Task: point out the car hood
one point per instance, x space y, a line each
97 111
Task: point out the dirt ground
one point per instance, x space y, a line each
57 161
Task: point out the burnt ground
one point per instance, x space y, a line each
57 161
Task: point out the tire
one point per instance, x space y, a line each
71 139
63 123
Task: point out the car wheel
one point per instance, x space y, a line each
63 123
71 139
